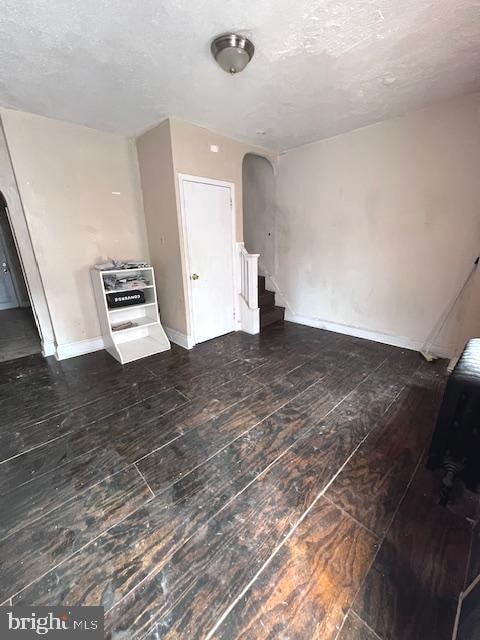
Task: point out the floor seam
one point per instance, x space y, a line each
470 587
290 533
154 496
294 526
262 386
145 481
366 377
367 625
260 421
189 429
392 519
199 375
340 628
283 375
457 617
70 500
86 404
230 501
243 375
469 557
241 435
349 515
38 578
252 481
90 424
129 464
51 416
207 392
184 395
279 546
383 537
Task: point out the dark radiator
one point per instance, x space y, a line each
455 444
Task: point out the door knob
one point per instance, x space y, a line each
195 276
5 267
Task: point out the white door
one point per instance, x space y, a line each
8 298
209 242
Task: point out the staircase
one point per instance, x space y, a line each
269 313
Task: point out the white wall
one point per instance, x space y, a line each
377 228
68 177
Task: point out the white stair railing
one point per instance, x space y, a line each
248 276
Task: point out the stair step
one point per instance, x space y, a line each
261 284
266 299
271 315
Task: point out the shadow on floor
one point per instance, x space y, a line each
18 335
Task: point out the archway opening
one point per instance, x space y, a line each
258 184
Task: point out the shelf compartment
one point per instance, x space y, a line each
115 275
108 271
144 342
140 325
131 308
127 289
143 318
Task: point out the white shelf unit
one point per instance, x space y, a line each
144 339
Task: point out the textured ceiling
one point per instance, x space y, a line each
321 66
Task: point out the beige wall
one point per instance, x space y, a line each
171 148
159 198
374 230
192 155
377 228
67 177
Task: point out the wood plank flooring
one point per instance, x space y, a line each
256 487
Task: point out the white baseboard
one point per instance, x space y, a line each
79 348
48 349
181 339
452 363
377 336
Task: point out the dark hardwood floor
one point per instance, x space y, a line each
256 487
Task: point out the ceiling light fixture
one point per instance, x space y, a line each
232 52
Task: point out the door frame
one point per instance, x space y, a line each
31 273
26 253
182 178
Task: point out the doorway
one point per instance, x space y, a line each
18 331
208 223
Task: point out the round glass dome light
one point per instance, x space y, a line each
232 52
